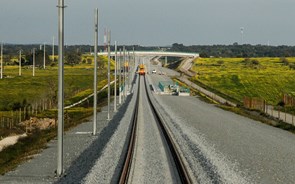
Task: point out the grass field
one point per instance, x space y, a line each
266 78
16 89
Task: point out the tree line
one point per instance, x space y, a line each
236 50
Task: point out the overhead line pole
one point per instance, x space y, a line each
44 59
115 91
109 73
95 70
124 77
1 61
34 61
120 77
60 130
53 49
20 63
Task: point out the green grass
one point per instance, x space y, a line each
16 88
268 80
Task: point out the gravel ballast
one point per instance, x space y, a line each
152 161
223 147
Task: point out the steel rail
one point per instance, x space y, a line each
128 157
182 170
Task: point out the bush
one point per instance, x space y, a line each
284 61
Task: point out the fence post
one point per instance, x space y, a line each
272 111
20 115
285 115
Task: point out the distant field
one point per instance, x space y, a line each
266 78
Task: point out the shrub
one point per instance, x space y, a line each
284 61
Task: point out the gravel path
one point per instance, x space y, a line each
11 140
152 162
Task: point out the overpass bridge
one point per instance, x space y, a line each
156 53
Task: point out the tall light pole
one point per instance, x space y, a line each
34 61
242 34
20 63
115 88
1 61
44 59
95 70
60 130
109 73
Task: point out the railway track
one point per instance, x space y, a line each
180 167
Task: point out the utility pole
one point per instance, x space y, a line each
95 70
44 59
115 88
120 77
60 130
1 61
34 61
109 73
20 63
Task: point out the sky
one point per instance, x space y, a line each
151 22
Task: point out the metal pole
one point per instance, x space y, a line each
60 87
129 73
34 61
120 76
1 61
95 70
109 73
20 63
44 59
124 76
115 88
53 49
